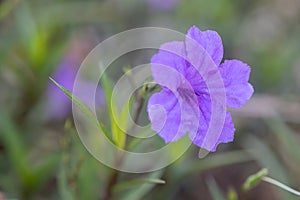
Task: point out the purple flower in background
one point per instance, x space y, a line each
184 88
164 5
58 104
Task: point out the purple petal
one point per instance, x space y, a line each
235 75
164 114
172 118
203 71
227 134
168 65
210 41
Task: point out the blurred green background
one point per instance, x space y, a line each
41 156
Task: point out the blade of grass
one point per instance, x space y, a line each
288 140
83 108
281 185
214 189
14 145
63 188
118 135
140 192
217 160
132 183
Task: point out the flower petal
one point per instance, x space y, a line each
210 41
225 136
168 65
235 75
164 114
172 116
202 72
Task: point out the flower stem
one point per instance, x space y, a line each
139 106
115 174
281 185
112 181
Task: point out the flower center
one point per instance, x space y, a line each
188 95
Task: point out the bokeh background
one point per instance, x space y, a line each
41 156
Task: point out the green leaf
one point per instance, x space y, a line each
139 192
118 120
123 119
216 160
137 182
214 189
14 145
232 195
254 179
63 188
89 182
83 108
287 139
123 123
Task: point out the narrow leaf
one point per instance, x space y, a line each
64 190
214 189
232 195
138 182
254 179
10 136
83 108
118 135
139 192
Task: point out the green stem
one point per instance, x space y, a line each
114 176
281 185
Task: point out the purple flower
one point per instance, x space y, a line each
184 105
58 104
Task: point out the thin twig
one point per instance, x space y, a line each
281 185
